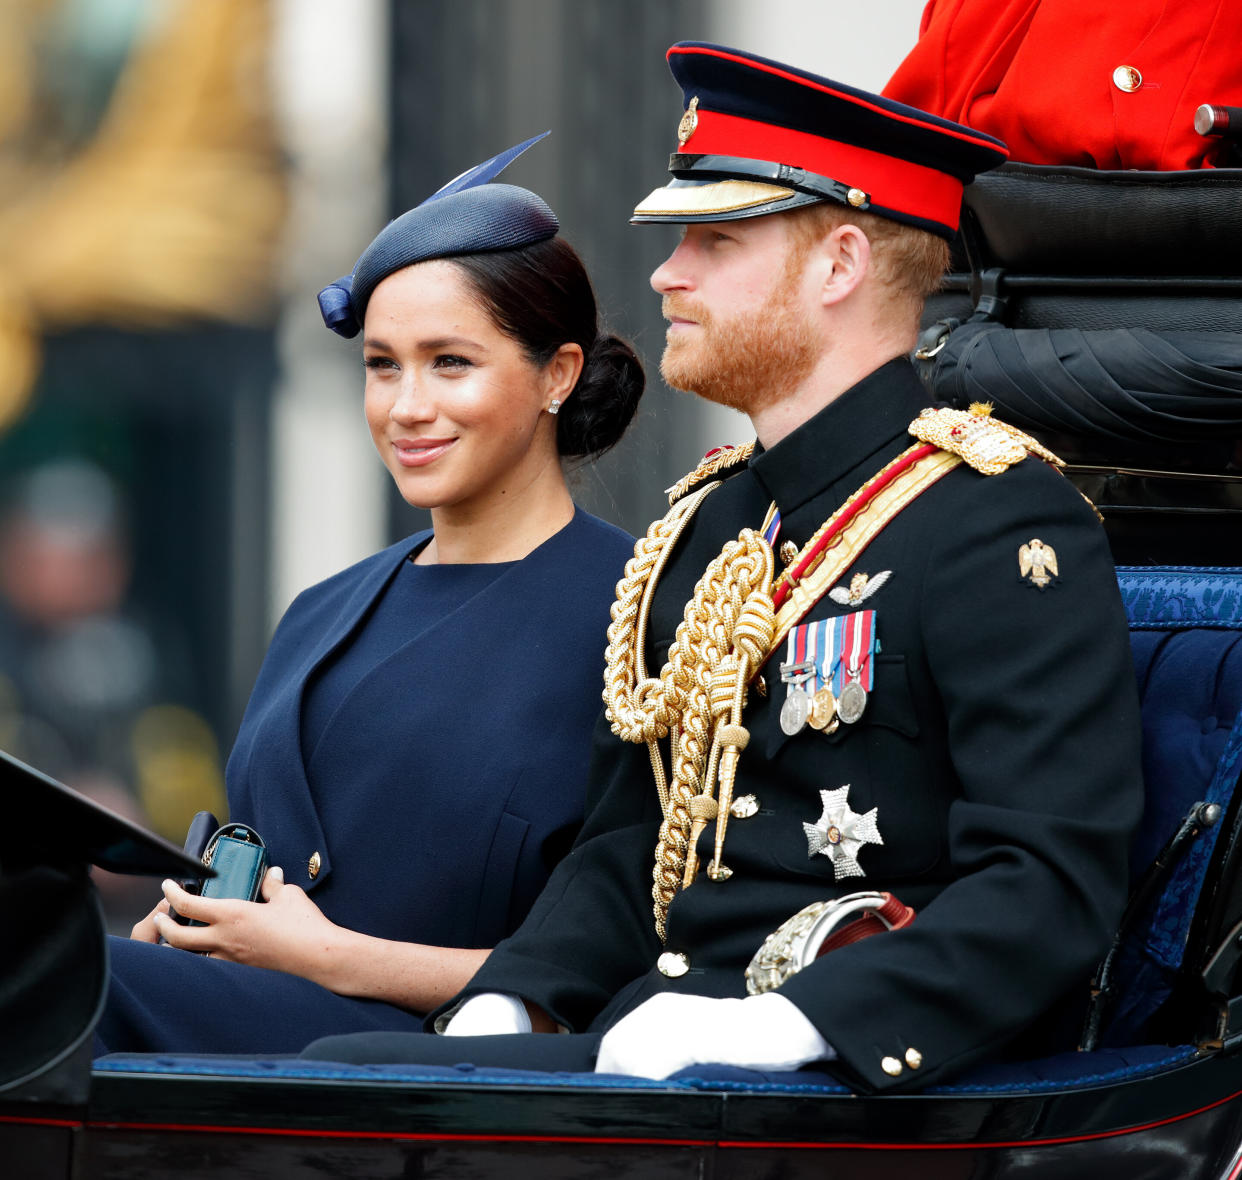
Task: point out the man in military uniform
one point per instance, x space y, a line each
895 666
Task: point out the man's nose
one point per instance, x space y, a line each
671 274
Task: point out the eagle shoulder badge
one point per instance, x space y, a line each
1037 562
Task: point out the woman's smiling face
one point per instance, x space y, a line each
456 409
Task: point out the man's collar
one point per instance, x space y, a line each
841 436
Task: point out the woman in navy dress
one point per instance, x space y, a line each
415 747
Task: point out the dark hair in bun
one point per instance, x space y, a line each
540 296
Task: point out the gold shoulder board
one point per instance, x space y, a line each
985 443
715 461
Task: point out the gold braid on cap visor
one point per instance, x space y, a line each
715 196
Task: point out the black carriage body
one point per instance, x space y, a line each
1182 1121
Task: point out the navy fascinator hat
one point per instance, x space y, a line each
467 216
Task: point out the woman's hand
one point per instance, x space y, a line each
290 933
287 933
145 930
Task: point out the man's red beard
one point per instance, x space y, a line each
745 363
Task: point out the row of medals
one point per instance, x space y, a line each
822 709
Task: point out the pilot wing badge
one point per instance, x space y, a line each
1038 563
860 589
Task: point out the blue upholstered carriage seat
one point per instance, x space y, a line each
1186 627
1186 635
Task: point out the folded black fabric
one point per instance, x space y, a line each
1121 383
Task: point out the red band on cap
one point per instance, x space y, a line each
892 183
962 133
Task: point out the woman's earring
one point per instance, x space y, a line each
555 407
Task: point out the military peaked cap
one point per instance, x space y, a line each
760 137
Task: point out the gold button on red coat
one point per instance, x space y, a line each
312 865
1127 79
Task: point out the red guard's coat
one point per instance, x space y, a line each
1039 74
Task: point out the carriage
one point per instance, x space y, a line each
1098 311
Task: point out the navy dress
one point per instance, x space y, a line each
414 754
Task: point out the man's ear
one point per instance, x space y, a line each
846 259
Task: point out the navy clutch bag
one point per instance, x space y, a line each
239 856
235 851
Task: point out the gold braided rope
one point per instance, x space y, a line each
724 634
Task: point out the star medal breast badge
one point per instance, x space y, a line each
840 833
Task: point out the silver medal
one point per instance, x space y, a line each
851 702
795 710
797 706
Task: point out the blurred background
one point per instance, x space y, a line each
182 447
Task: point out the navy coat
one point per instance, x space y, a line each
1000 747
448 783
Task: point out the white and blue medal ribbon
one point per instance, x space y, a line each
828 672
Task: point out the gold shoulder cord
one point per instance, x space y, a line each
729 628
723 637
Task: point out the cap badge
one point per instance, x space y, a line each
840 833
1038 562
689 121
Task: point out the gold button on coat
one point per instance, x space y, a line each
891 1066
914 1058
1127 79
312 865
744 807
673 964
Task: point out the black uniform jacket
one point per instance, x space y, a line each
1000 745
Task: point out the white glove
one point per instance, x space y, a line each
488 1014
670 1031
